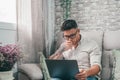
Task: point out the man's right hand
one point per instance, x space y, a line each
68 45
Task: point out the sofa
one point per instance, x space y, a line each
106 39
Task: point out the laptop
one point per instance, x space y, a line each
63 69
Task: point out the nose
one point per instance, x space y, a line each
69 39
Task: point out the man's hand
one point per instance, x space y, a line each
68 45
89 72
82 75
58 54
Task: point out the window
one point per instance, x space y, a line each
8 11
7 21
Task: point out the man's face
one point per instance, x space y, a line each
72 35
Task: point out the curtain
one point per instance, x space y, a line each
35 28
49 11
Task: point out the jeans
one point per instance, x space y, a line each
89 78
92 78
55 79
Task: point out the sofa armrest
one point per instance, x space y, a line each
32 71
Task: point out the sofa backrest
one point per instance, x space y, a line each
96 35
111 40
107 40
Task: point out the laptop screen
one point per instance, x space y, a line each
63 69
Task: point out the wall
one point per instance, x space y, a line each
92 14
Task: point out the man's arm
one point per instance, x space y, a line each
56 56
58 53
95 61
84 73
63 47
95 69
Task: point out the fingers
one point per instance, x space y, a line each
82 75
68 45
82 79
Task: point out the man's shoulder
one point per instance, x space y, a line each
88 42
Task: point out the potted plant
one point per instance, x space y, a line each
9 54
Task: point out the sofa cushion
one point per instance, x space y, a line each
107 65
111 40
32 70
116 69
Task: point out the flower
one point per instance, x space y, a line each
9 54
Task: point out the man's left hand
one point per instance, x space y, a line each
82 75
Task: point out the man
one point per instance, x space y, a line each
76 47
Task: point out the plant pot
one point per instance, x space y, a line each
6 75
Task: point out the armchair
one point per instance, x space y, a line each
107 40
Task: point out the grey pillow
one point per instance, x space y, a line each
116 69
44 67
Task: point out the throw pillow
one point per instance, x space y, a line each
44 67
116 69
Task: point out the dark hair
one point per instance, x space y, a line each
68 24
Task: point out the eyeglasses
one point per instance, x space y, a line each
71 36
